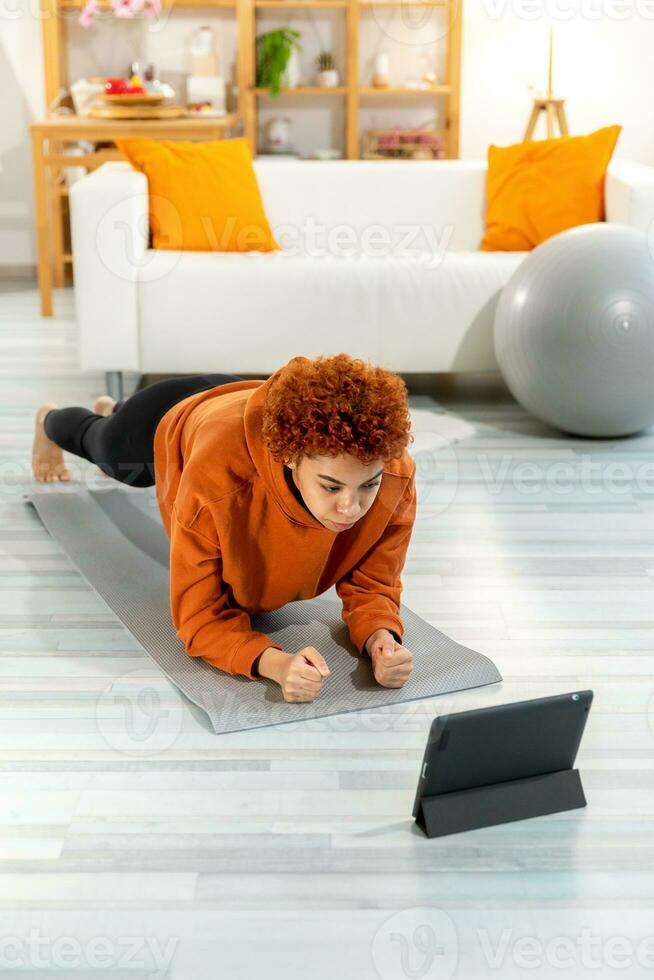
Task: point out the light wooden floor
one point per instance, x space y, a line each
135 843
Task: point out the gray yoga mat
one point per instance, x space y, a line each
116 539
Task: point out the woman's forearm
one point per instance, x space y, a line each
271 663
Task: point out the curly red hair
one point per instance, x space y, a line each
331 405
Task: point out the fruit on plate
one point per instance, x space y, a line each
121 86
115 86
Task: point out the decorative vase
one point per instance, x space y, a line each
380 78
291 76
328 78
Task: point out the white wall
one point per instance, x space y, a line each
21 103
603 66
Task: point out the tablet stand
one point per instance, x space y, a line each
486 806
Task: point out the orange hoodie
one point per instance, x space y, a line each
241 542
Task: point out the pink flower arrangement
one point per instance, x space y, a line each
121 8
89 13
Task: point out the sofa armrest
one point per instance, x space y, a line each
109 229
629 194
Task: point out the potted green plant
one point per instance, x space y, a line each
327 72
277 59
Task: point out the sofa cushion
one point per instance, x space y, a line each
538 188
202 196
364 205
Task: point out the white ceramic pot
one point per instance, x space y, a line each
277 135
328 78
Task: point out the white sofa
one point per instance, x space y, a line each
380 260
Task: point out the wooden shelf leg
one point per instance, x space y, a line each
57 223
41 216
452 116
551 120
246 71
533 120
352 81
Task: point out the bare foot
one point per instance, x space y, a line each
47 457
104 405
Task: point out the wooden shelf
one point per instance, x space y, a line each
316 4
304 90
68 128
398 90
401 3
166 4
309 4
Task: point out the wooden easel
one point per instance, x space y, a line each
553 108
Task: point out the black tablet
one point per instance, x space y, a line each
513 745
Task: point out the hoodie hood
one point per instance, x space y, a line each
269 469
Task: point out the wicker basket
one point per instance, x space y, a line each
403 144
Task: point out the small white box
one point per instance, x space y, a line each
206 88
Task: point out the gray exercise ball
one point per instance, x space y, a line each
574 331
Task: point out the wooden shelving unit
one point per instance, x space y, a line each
446 96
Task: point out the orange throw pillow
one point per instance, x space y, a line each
203 197
540 187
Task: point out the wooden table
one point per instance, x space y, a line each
50 157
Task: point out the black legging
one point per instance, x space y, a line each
122 444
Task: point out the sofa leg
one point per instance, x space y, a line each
114 384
